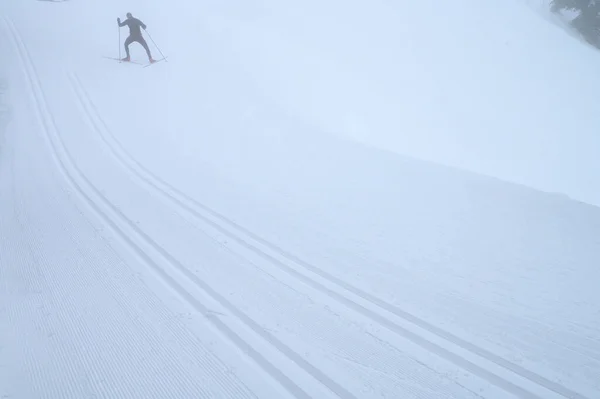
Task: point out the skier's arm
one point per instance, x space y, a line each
143 25
121 24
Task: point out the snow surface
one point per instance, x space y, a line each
260 216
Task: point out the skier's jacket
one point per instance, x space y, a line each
134 26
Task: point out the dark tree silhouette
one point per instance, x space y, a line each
587 21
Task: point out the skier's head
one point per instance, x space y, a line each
129 15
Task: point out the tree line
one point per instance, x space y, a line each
587 19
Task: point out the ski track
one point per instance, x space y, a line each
69 322
504 374
364 303
71 170
318 374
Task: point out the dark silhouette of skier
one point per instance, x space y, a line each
135 35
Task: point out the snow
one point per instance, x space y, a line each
307 199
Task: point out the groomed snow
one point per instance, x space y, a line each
307 199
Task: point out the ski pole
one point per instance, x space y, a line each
150 36
119 42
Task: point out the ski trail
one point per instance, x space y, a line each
493 368
114 329
185 284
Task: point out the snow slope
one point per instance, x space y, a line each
237 222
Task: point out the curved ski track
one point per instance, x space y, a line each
504 374
478 360
367 304
178 278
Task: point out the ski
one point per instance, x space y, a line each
121 61
135 62
155 61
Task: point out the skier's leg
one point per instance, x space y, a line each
142 41
127 43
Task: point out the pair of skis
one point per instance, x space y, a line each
137 62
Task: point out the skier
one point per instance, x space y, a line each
135 35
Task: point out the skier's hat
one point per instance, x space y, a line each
129 15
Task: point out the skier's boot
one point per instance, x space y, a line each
126 59
152 60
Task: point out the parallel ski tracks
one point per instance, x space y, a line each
185 284
493 368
